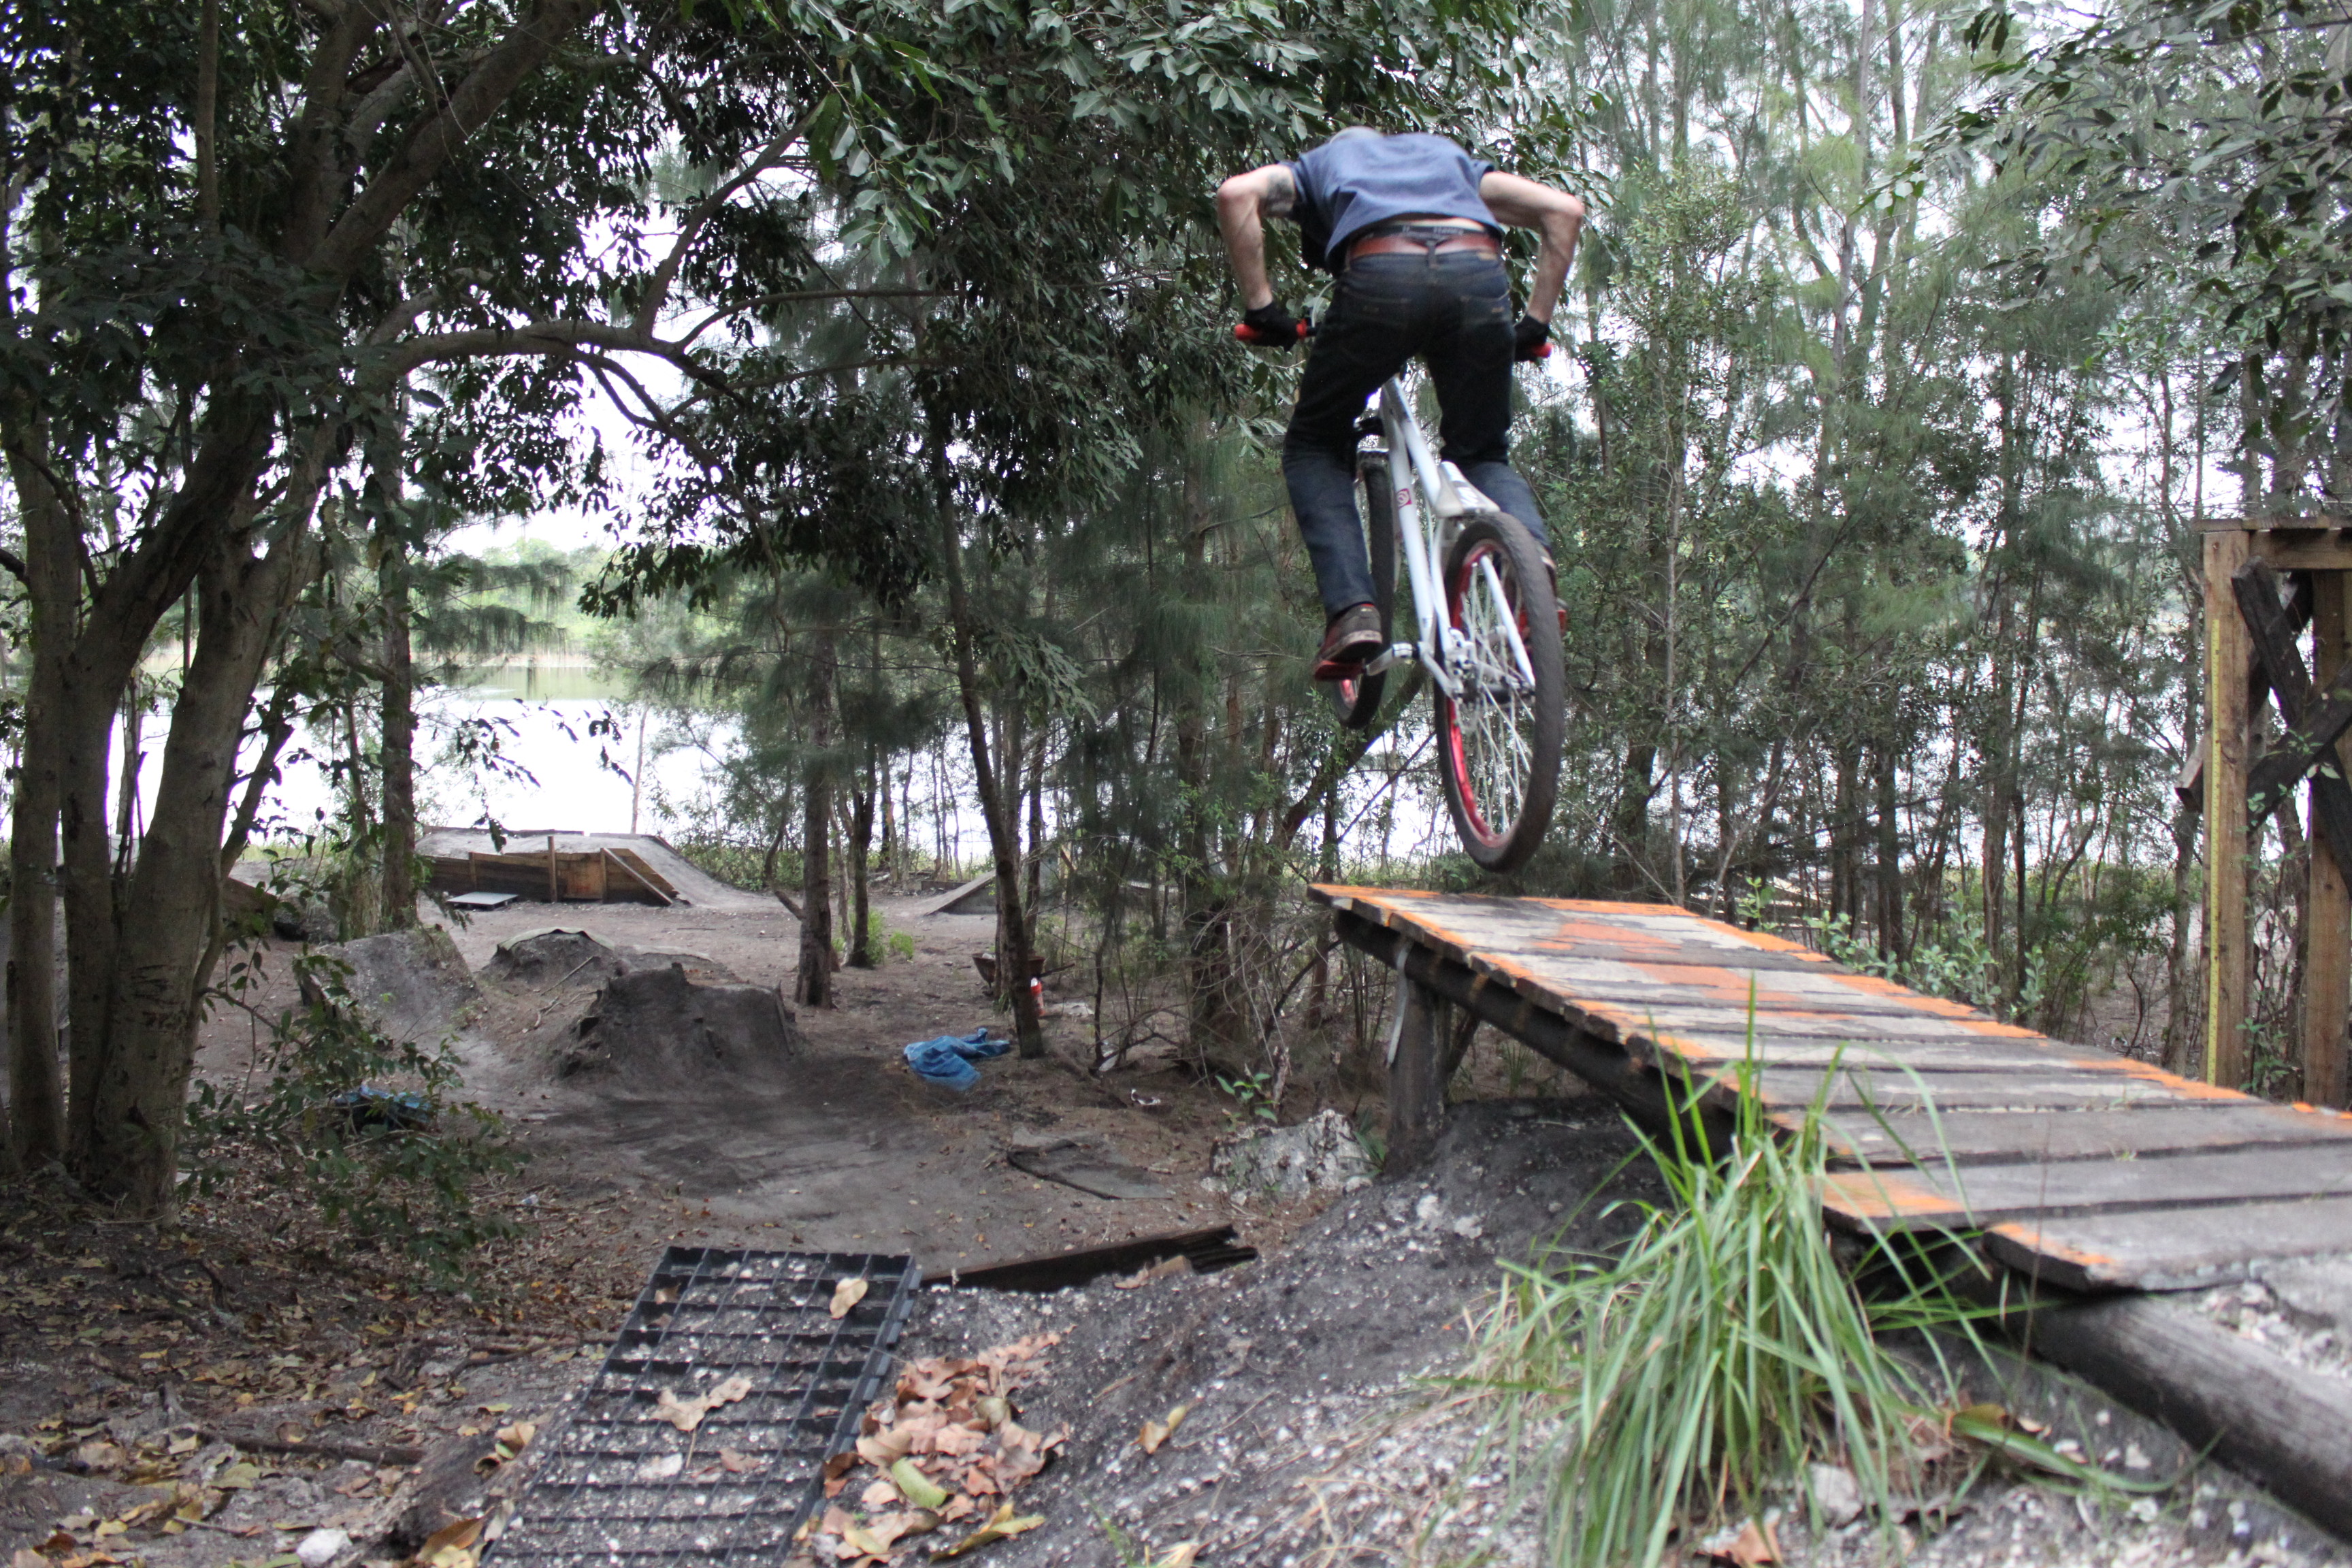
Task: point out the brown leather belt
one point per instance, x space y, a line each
1405 244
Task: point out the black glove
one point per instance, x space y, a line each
1270 326
1532 340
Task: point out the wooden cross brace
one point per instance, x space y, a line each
2308 747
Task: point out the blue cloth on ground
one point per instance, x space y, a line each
948 1059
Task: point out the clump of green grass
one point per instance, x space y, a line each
1724 1349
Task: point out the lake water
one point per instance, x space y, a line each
567 758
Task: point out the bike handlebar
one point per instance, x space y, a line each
1250 334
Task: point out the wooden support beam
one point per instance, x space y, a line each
1416 1078
2190 785
2228 657
2327 923
2257 589
1604 1066
2248 1404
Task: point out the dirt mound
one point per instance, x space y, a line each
659 1028
411 985
555 956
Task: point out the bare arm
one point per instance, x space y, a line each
1556 214
1244 203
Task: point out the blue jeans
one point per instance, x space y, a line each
1455 312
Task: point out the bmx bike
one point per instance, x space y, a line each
1487 631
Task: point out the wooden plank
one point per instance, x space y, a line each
632 874
2328 921
1704 984
2328 551
1461 925
1974 1137
1977 1195
1792 1089
2227 660
1712 1053
2171 1249
643 870
1637 1019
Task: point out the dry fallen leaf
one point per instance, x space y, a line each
1157 1432
846 1295
1742 1545
879 1494
1000 1525
916 1486
871 1542
686 1415
451 1546
1180 1555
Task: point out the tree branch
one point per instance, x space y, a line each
657 287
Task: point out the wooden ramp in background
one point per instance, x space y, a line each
2084 1170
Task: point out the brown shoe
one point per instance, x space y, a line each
1351 638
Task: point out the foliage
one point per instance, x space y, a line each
400 1172
1723 1349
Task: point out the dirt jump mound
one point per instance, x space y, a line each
540 960
656 1028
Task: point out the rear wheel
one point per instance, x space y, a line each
1499 736
1357 702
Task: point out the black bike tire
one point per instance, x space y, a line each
1358 702
1528 584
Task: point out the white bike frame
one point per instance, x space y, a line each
1438 648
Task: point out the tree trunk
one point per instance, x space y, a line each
995 810
138 1081
1890 860
35 1092
399 750
1213 1023
860 837
814 983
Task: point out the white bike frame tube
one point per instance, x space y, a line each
1416 538
1412 530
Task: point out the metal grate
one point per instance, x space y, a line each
624 1487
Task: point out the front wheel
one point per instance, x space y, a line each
1499 736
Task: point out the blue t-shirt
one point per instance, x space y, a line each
1353 183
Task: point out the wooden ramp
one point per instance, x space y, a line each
2084 1171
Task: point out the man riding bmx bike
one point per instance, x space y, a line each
1411 227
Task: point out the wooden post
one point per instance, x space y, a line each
2227 653
1416 1078
2327 928
554 888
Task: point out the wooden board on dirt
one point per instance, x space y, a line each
1976 1137
2171 1249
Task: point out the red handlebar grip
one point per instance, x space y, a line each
1242 330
